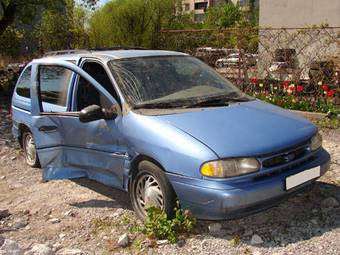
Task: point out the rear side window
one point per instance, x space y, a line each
54 84
23 86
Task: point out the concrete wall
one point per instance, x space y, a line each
299 13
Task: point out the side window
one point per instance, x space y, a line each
23 86
87 94
54 85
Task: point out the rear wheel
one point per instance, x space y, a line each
150 188
30 151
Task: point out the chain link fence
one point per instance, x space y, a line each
301 62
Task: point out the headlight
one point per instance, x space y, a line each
230 167
316 142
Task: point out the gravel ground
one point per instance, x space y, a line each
84 217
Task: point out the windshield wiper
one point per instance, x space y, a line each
217 101
158 105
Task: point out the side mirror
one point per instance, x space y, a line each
91 113
95 112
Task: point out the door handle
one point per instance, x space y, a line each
48 128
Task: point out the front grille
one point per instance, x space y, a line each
285 157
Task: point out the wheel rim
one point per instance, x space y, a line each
148 193
30 151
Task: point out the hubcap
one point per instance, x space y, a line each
149 193
30 150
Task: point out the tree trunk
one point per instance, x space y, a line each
7 18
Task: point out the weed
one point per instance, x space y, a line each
328 123
158 226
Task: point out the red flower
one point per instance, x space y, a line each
324 87
299 88
330 93
285 84
253 80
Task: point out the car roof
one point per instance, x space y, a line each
110 54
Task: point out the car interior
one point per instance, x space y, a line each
87 94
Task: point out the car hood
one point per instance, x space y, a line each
244 129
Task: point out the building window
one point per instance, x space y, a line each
199 17
186 7
201 6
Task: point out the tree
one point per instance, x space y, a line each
63 28
131 22
26 10
223 16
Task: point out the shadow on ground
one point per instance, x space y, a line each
119 199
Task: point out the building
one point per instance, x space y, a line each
301 32
199 7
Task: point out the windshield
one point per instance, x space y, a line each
169 79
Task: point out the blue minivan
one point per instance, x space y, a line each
163 126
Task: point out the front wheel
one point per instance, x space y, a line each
150 188
30 151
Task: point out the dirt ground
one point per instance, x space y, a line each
89 218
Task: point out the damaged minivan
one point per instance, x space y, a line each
162 126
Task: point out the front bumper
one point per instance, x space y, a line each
227 199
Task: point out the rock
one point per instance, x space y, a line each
20 223
256 240
70 252
10 247
181 243
3 177
329 202
214 227
4 213
248 232
162 242
314 221
69 213
13 158
123 240
40 249
54 220
62 235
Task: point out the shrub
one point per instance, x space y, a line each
157 225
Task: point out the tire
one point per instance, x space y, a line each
160 192
30 151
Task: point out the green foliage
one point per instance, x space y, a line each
328 123
13 37
158 225
132 22
223 16
301 104
63 28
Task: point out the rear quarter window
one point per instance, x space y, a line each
23 85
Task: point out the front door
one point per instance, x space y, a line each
66 147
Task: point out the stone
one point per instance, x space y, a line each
40 249
329 202
123 240
2 177
10 247
248 232
20 223
70 252
54 220
256 240
69 213
62 235
214 227
4 213
162 242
